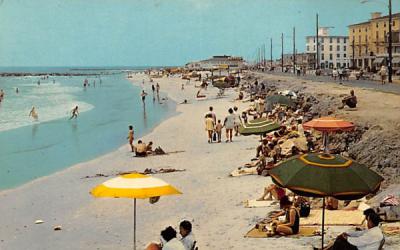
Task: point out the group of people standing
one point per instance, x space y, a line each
214 127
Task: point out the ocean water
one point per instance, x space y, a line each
31 149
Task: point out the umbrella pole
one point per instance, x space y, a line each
326 138
323 221
134 224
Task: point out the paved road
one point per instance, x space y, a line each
388 87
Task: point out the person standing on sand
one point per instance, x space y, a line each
33 114
131 137
74 112
229 124
153 88
211 112
209 127
218 130
238 120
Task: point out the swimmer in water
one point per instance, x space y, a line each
34 114
74 112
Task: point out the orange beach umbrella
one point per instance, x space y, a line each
329 124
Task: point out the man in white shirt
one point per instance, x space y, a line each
188 240
211 112
369 239
170 242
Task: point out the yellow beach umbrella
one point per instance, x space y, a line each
134 186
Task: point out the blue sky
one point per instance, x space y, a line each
161 32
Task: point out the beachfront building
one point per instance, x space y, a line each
218 62
304 60
333 50
369 42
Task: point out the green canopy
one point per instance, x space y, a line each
258 127
321 175
281 99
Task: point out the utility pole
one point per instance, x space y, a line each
282 52
317 44
271 53
353 60
294 50
265 60
390 42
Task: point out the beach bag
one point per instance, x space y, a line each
305 209
214 136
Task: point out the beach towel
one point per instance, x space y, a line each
255 203
334 217
389 229
303 232
243 171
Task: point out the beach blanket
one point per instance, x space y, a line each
391 228
303 232
334 217
243 171
255 203
300 143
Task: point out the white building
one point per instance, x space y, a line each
217 62
333 50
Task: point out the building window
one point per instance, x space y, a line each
384 36
366 29
330 47
330 56
394 23
359 39
337 55
330 40
345 40
337 47
322 57
366 38
377 25
353 30
338 40
384 24
308 48
322 40
314 39
314 48
322 47
344 55
344 48
359 30
377 35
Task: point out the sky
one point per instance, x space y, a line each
163 32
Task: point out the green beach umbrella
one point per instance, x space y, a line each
258 127
322 175
281 99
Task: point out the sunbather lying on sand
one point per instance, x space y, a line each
272 192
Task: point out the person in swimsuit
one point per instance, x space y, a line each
292 222
74 112
33 114
131 137
274 192
143 95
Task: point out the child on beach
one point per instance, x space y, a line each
131 137
218 130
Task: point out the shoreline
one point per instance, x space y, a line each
211 199
77 165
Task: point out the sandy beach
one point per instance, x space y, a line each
211 199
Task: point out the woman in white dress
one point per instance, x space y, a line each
229 124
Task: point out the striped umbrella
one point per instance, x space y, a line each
134 186
258 127
323 175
